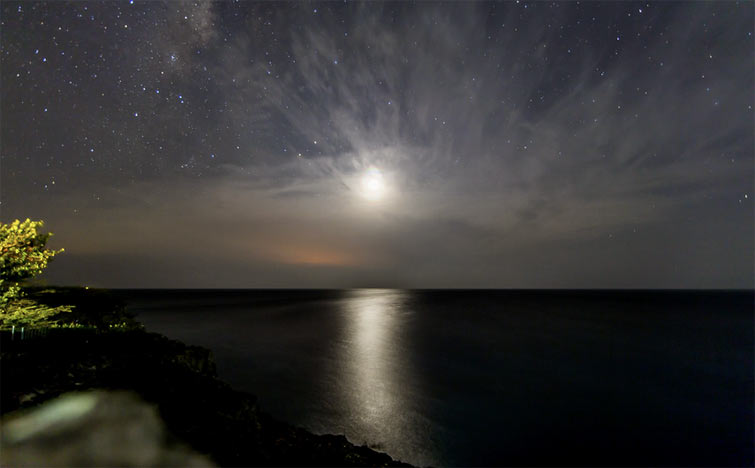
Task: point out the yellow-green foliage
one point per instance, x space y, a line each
22 256
24 311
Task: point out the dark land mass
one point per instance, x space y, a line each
197 407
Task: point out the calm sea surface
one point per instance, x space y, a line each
488 377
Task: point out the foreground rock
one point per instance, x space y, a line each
96 428
180 380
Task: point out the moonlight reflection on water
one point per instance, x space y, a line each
372 323
379 379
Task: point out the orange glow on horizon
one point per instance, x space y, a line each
307 255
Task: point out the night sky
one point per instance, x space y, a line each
275 144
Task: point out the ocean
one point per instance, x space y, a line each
488 377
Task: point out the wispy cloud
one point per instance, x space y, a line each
518 151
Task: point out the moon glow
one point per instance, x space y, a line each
373 184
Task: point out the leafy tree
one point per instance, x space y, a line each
22 256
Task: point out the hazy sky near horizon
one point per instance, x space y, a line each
517 144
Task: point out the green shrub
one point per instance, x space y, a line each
22 256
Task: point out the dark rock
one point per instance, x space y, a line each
92 429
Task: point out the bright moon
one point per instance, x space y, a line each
373 185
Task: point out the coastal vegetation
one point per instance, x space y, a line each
23 256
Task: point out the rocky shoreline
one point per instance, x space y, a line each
180 380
